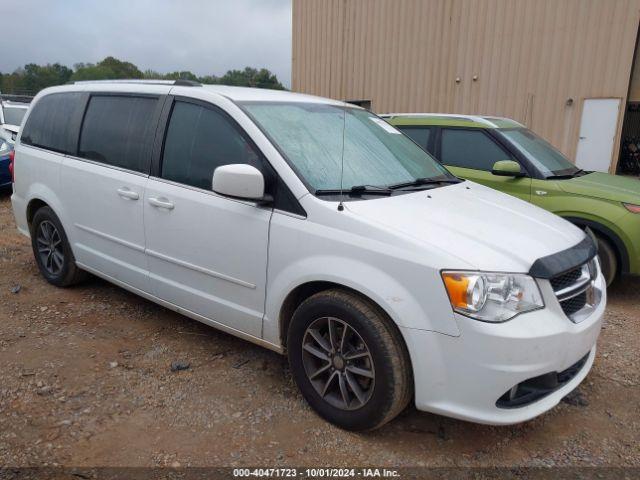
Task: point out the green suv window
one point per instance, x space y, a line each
420 135
470 149
539 152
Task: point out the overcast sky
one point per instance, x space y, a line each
204 36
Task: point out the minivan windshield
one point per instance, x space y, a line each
540 153
13 115
376 155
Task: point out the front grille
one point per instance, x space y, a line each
533 389
575 290
566 279
575 304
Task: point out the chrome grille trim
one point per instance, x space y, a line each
580 298
577 288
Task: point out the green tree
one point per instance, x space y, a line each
33 78
151 74
108 69
251 77
209 79
184 75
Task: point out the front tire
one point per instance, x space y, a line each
608 260
349 360
52 251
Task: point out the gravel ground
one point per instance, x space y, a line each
86 380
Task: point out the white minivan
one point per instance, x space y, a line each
312 227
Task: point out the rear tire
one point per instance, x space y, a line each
608 260
349 361
52 251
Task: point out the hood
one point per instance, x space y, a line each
485 229
615 188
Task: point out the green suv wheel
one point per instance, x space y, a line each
608 260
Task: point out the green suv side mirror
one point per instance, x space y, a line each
507 168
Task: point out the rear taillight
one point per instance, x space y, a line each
12 158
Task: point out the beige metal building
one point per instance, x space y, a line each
564 68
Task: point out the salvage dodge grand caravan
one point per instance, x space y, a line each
313 227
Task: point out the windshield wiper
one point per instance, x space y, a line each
370 189
425 181
358 190
559 177
577 173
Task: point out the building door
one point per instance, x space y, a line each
597 133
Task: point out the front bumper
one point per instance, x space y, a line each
463 377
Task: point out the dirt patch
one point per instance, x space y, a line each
86 380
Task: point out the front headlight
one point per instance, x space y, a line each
4 147
492 297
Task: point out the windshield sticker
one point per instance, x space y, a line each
385 125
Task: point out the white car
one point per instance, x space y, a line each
313 228
11 115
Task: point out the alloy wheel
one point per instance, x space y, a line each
338 363
49 244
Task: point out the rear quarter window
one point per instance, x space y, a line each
118 131
49 124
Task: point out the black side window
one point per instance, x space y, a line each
420 135
119 131
470 149
50 123
198 140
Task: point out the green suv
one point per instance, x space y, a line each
502 154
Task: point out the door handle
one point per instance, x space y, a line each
125 192
161 203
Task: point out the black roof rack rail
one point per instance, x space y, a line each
181 82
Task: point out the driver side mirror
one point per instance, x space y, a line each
507 168
240 181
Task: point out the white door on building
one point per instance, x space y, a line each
597 133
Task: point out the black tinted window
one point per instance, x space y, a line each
420 135
50 123
200 139
470 149
119 131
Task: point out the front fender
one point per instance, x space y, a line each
402 305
